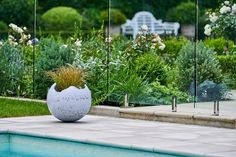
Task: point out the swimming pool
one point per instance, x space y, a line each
14 144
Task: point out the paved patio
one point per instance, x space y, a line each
195 139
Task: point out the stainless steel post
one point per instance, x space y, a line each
126 101
174 104
216 108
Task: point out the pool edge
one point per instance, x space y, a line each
106 144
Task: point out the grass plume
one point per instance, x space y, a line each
67 76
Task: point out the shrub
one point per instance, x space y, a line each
145 43
228 63
116 17
222 21
17 11
93 15
219 44
173 46
61 18
3 27
67 76
183 13
51 56
3 30
228 66
151 67
126 81
207 66
210 91
11 69
155 94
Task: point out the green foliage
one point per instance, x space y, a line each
11 69
228 66
3 27
19 12
45 5
207 66
219 44
173 46
116 16
93 15
126 81
144 43
183 13
158 8
210 91
61 18
17 108
3 30
92 57
228 63
151 67
51 56
155 93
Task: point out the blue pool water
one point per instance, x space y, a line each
22 145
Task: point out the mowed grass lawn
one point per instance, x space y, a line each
17 108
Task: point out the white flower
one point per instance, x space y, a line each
213 17
24 37
153 46
226 2
64 46
10 37
29 42
234 8
207 30
156 38
224 9
24 28
144 28
1 43
16 28
108 39
162 46
12 25
78 43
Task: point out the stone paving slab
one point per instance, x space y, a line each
194 139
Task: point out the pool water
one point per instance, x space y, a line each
22 145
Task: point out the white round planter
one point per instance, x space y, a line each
70 104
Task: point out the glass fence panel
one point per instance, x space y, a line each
16 33
72 33
151 57
215 53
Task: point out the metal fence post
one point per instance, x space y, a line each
126 101
216 108
174 104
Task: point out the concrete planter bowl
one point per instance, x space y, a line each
70 104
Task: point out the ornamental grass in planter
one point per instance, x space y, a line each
68 99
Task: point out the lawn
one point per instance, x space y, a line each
17 108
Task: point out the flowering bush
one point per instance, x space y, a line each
18 35
222 21
145 42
